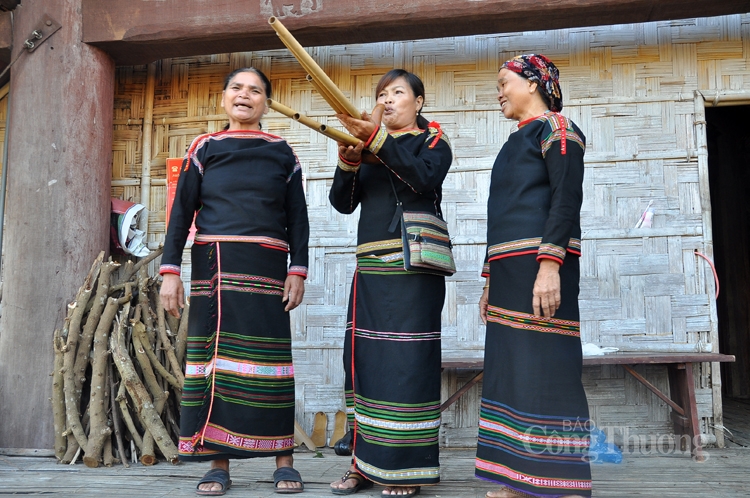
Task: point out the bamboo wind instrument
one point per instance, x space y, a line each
332 133
322 83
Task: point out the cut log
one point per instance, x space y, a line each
100 430
122 402
145 261
173 323
72 398
72 450
92 321
116 423
107 457
141 399
139 331
180 343
145 305
158 395
58 398
167 342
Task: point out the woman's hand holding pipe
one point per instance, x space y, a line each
365 127
351 153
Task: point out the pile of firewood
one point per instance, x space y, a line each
118 371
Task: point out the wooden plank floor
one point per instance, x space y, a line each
723 475
737 422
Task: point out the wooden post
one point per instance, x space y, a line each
57 206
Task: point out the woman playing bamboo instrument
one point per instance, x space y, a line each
246 188
534 418
392 361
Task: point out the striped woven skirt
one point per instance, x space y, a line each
534 419
392 381
238 399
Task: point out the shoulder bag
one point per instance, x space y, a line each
426 244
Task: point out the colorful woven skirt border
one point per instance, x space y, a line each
534 419
395 403
238 399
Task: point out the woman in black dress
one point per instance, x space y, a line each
244 188
392 362
534 418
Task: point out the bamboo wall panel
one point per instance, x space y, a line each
631 90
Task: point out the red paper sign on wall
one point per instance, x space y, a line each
173 173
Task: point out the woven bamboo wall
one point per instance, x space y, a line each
631 90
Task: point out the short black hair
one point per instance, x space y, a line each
416 86
258 72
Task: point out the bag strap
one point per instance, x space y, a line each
399 206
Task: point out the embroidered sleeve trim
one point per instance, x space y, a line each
298 270
376 142
169 269
486 270
348 166
533 245
372 136
552 250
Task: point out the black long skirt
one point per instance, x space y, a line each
534 418
394 406
238 400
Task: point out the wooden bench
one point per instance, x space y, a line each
681 384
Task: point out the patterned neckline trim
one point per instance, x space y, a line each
523 123
259 133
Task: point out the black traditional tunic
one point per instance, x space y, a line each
534 419
392 364
246 188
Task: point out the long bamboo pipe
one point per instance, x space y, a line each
323 91
338 100
331 133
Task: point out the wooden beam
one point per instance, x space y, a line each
141 31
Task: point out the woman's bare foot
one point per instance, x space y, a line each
215 486
348 483
400 490
503 493
286 461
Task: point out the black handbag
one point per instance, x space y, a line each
343 447
424 236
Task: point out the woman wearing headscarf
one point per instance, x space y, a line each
249 262
392 341
534 419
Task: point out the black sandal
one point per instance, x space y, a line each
217 476
362 483
287 474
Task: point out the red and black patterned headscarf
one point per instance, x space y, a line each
536 67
